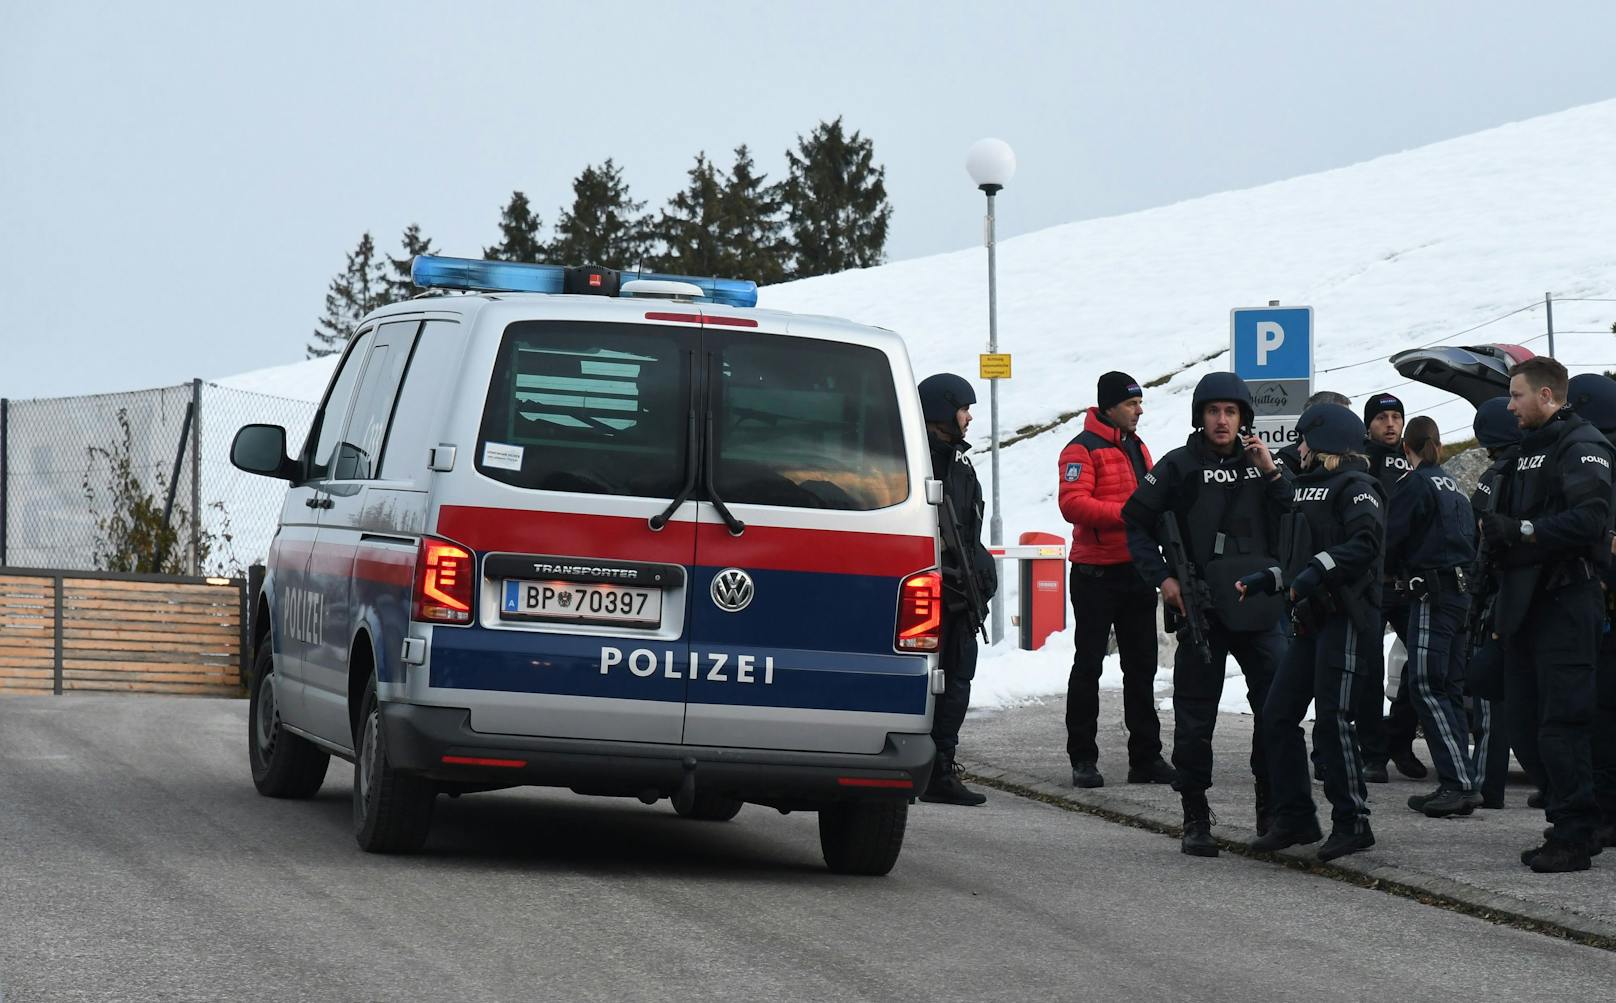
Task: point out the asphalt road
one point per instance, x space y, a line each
137 863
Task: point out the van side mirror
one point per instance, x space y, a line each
261 449
934 491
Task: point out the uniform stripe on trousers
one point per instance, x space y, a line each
1349 744
1422 685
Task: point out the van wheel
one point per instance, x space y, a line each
863 837
707 808
284 765
392 811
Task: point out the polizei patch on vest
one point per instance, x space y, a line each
1073 470
1312 494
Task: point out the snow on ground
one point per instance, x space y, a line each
1432 245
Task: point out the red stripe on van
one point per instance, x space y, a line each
621 538
769 548
386 566
774 548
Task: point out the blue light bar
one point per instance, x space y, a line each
435 272
730 292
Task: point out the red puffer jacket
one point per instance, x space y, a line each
1096 478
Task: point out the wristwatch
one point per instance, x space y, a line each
1526 529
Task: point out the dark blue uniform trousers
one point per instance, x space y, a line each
1327 669
1435 681
1197 688
957 659
1552 697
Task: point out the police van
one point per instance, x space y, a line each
622 534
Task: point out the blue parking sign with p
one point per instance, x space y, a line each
1272 343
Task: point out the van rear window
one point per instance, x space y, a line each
807 423
590 408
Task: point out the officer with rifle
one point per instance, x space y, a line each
1214 506
969 577
1499 434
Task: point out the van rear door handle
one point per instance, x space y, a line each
317 502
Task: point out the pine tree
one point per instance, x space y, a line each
399 286
750 226
604 226
690 228
836 202
360 288
519 230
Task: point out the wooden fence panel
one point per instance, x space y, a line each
80 632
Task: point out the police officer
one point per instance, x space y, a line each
1289 456
969 579
1549 531
1499 434
1430 546
1222 493
1332 576
1390 737
1593 397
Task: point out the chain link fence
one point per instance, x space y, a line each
139 481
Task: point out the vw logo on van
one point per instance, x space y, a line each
732 590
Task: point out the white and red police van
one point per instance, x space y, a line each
628 536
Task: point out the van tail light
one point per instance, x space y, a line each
920 612
444 577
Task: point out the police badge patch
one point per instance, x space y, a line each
1072 471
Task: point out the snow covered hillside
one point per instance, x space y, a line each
1408 249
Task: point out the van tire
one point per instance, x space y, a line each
392 811
863 837
708 808
284 765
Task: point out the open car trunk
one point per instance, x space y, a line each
1475 372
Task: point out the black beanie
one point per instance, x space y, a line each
1378 403
1115 388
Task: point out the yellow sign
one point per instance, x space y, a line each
995 367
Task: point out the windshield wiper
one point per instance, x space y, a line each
660 520
736 526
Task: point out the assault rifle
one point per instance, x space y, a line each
1193 591
967 567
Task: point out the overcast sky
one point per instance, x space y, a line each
180 181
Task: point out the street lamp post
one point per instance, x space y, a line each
991 164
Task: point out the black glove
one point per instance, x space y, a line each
1308 582
1500 530
1265 582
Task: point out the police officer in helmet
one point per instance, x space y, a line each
1331 573
1499 434
1593 397
1289 456
1550 532
1223 495
969 579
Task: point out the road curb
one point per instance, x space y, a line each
1431 889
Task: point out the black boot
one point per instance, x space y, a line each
1408 764
1375 773
1345 840
1450 802
1084 774
945 786
1265 814
1558 856
1157 772
1197 841
1281 835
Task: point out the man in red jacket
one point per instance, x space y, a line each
1098 471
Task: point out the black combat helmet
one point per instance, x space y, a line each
1593 397
1494 426
942 395
1331 428
1222 387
